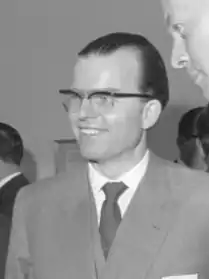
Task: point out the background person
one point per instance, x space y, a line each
187 22
11 181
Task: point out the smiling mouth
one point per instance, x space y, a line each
196 77
91 132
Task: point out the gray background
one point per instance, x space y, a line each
38 43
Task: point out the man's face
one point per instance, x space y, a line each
188 23
118 131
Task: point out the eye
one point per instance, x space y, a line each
74 95
180 29
102 98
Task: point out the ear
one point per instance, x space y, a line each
151 113
202 154
199 145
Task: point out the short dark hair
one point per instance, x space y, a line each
203 129
187 128
155 77
11 144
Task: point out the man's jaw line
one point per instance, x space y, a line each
112 166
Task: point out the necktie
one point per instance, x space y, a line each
110 214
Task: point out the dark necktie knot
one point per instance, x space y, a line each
113 190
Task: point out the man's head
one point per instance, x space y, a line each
11 145
127 66
188 142
188 22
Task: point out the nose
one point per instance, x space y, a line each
87 110
179 57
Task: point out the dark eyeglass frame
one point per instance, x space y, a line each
105 93
105 107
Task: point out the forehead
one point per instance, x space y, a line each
182 10
117 70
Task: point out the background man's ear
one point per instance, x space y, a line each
200 148
151 113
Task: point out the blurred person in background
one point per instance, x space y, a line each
11 181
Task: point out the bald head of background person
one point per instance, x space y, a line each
188 24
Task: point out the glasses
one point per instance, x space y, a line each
103 101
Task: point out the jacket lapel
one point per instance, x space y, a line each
144 228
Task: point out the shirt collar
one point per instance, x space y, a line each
131 178
8 178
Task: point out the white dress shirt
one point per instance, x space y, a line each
8 178
131 179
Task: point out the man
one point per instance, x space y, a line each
191 153
11 180
122 212
188 22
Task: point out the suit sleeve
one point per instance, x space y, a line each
18 263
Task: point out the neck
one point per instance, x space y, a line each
117 166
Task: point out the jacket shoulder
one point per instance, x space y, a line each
54 187
188 183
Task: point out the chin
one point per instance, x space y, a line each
92 154
206 95
205 90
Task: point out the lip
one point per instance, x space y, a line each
196 76
198 79
91 131
90 128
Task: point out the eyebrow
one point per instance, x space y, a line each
177 27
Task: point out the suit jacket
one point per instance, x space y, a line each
8 193
164 232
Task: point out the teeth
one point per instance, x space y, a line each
89 131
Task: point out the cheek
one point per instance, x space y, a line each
125 127
198 47
201 58
204 56
73 121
